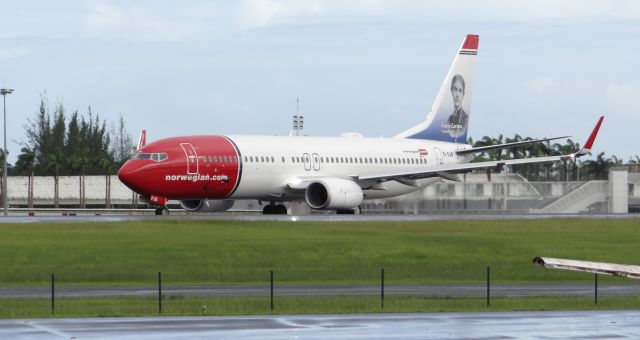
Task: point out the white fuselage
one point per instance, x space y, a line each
271 163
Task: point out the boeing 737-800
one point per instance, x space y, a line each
207 173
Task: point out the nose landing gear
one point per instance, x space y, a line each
164 211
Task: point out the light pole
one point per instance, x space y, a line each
4 93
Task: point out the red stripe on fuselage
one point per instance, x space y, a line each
197 167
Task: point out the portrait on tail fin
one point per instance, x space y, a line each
456 124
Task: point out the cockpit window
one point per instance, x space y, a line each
143 156
158 156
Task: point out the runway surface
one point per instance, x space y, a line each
520 325
291 218
449 290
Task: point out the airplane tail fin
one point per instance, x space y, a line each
448 119
142 141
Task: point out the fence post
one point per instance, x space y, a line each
595 291
53 294
382 288
488 286
159 292
271 295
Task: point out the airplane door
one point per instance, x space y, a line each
307 161
438 155
192 158
316 161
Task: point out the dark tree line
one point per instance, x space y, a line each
568 170
62 143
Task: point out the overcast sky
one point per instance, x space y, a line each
545 68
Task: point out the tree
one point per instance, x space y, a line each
54 162
123 146
598 168
25 166
106 161
80 161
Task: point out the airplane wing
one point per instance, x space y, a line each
479 149
448 170
614 269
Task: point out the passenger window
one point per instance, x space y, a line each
282 159
273 160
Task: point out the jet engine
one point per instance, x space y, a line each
333 193
206 205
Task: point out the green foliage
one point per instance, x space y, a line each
80 144
566 170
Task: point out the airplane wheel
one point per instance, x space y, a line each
164 211
354 211
281 209
269 209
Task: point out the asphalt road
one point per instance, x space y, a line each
314 217
441 290
521 325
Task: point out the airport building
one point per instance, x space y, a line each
475 194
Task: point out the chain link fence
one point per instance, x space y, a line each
483 288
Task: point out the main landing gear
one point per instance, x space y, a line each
274 209
354 211
164 211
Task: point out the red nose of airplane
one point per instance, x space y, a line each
129 174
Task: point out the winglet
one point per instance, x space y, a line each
587 146
142 141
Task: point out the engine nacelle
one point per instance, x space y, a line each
333 193
206 205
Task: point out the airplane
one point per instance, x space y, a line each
208 173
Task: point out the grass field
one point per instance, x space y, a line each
222 252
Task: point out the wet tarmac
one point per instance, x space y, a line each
519 325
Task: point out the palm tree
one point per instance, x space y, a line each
635 162
565 149
106 161
599 167
493 154
54 162
25 165
80 161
